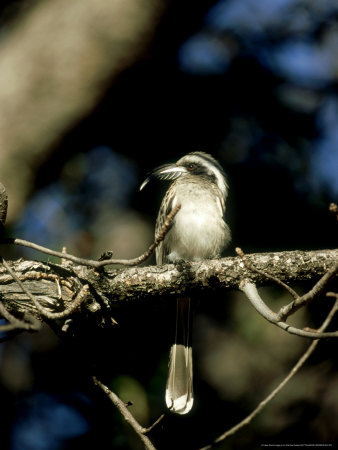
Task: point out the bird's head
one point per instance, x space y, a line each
197 164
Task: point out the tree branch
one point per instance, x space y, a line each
129 418
80 297
317 289
267 275
102 261
250 290
14 324
273 394
262 308
152 282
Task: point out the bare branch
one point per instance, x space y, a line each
227 273
281 385
136 284
252 294
157 421
317 289
250 266
80 297
105 262
14 324
296 304
128 417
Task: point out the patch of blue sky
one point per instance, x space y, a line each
247 16
203 54
324 161
46 423
303 63
324 165
56 212
46 207
109 175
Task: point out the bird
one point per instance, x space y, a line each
197 232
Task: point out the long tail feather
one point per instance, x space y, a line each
179 391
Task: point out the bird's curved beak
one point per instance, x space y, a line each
168 172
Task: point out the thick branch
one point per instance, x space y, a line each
226 273
136 284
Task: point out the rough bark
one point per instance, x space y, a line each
56 286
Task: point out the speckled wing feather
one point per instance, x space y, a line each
162 250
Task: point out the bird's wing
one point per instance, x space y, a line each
162 250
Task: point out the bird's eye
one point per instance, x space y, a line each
191 167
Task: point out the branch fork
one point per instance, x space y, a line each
250 290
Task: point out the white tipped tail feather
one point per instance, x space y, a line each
179 390
179 393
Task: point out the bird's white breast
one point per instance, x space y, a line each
199 231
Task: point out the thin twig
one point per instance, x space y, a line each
16 324
299 301
317 289
251 267
157 421
273 394
262 308
129 418
93 262
80 297
10 327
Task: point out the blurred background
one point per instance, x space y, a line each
254 83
